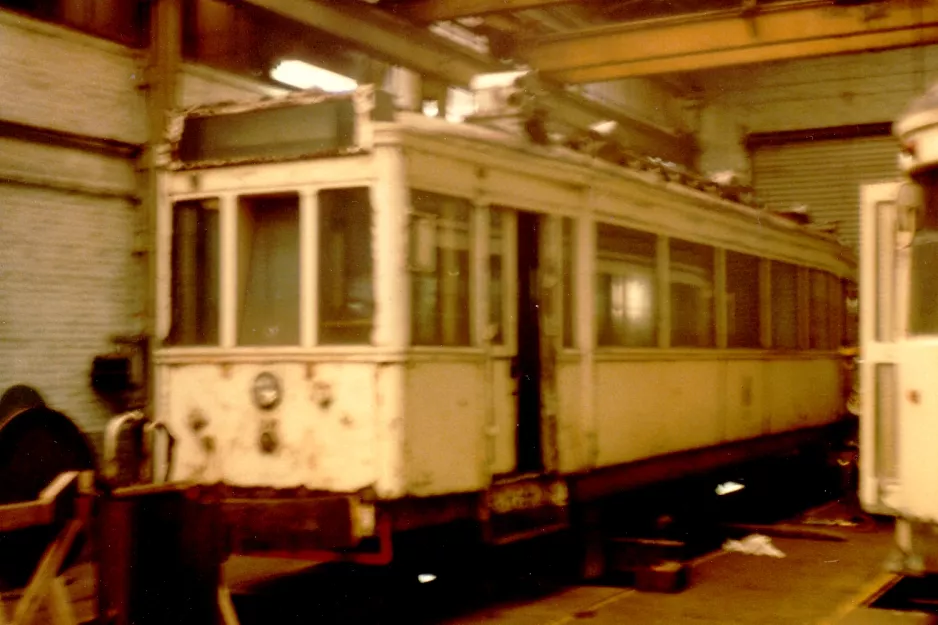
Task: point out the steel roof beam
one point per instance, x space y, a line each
786 31
439 10
383 36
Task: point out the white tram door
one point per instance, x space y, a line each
526 365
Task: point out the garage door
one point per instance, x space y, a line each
825 175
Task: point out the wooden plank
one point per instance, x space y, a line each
226 607
47 571
54 502
60 604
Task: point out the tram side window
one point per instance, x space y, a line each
568 280
742 300
838 307
346 300
440 284
195 273
784 305
497 242
691 296
625 287
268 270
820 308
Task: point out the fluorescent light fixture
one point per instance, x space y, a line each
305 76
431 108
729 487
426 578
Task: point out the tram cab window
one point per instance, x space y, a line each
784 305
440 282
268 249
195 273
346 299
691 295
742 300
625 287
820 305
923 281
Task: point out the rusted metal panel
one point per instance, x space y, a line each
259 525
299 126
321 435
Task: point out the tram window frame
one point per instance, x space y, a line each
626 265
441 280
742 288
203 327
692 258
819 310
568 280
273 303
498 259
345 290
785 291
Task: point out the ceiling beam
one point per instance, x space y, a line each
790 31
439 10
385 37
396 41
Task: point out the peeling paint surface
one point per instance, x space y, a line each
322 434
645 409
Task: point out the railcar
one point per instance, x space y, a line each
898 342
372 323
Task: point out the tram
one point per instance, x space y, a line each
373 323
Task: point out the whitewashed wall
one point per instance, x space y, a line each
812 93
69 278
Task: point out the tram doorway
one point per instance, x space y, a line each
527 362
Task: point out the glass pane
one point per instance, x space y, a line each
837 306
923 284
691 275
784 305
742 300
440 290
346 299
195 273
497 242
625 287
819 330
568 281
268 270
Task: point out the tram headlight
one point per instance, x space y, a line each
266 391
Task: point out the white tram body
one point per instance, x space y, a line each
401 310
899 341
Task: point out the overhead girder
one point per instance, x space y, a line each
394 40
786 31
439 10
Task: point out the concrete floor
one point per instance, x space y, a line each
816 582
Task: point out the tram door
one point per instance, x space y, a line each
526 367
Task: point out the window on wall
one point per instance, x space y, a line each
784 305
346 299
268 270
440 262
195 273
568 282
691 295
819 330
625 287
742 300
497 243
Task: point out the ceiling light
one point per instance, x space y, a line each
305 76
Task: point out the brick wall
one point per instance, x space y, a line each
69 279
